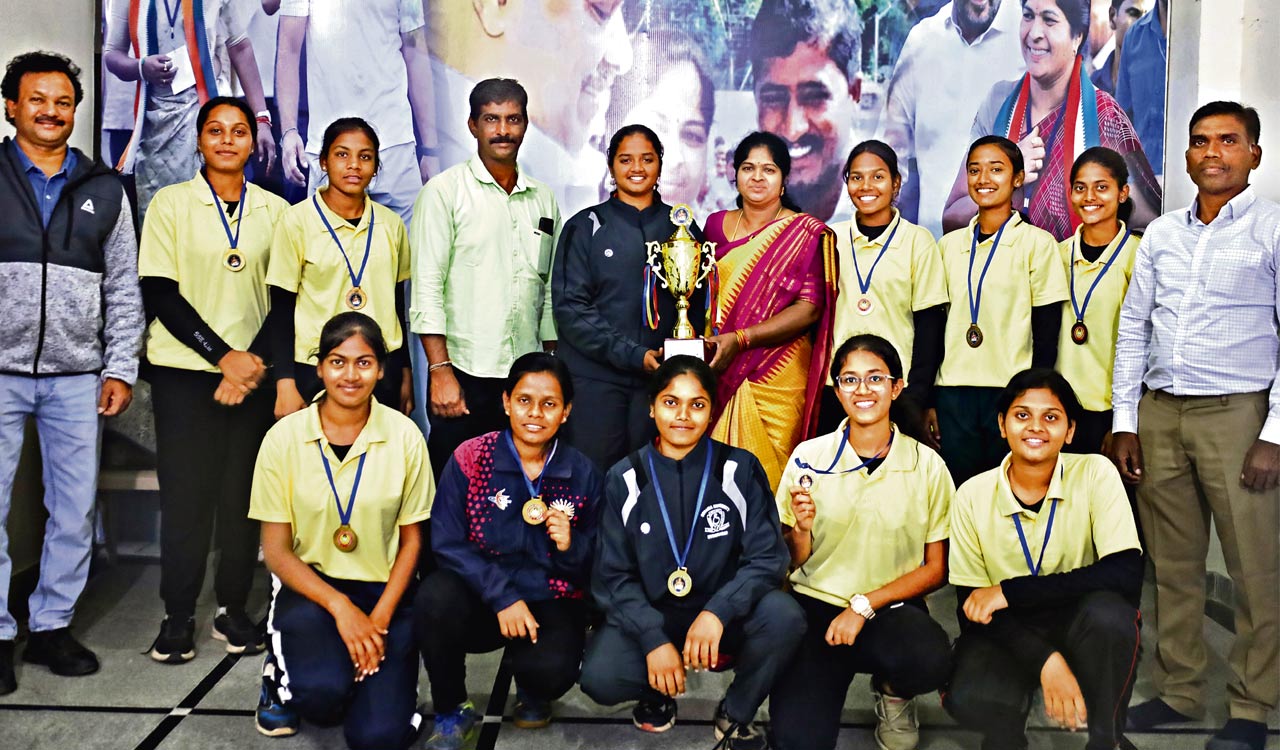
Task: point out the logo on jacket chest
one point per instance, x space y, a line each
500 499
717 519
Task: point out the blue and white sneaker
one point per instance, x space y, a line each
273 718
454 729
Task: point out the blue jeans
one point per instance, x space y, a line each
65 408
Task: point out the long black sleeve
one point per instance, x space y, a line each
1028 648
926 354
282 304
1046 325
161 298
399 359
1120 572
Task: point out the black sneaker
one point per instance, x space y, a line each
60 652
736 736
241 634
8 680
177 641
655 714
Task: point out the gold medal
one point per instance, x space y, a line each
1079 333
345 538
864 305
679 583
356 298
973 336
534 511
232 260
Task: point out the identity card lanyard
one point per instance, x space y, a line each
345 537
355 297
679 583
864 304
232 260
973 336
534 510
1079 331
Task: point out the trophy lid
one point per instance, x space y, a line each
682 215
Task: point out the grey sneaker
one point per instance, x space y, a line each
897 726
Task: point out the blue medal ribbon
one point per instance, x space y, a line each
1048 531
865 286
1080 309
976 302
840 452
368 243
343 515
234 240
535 488
666 517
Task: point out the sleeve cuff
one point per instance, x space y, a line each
721 609
651 639
547 331
1271 430
1126 420
427 323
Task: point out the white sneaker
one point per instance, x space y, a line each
897 726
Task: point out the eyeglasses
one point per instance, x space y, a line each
850 383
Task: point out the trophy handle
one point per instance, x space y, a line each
654 261
708 262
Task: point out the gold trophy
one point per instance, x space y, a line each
682 265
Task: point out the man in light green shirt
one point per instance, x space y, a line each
483 234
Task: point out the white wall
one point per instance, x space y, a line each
64 26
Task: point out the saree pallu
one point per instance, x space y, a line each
767 399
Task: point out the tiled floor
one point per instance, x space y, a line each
208 703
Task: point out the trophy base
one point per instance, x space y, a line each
696 347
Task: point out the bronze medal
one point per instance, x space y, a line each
1079 333
973 336
345 538
679 583
864 306
232 260
356 298
534 511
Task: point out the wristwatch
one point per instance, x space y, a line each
862 606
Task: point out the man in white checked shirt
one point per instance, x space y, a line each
1199 329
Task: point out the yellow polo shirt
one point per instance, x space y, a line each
908 278
183 239
1025 272
1088 366
1093 520
869 529
305 260
396 489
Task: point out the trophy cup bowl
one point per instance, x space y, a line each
682 265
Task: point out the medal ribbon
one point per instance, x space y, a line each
1080 309
840 452
368 243
226 227
666 517
535 488
976 302
343 515
1048 531
864 286
649 298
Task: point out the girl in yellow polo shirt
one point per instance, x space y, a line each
860 509
1099 262
1006 281
1048 572
203 259
341 489
339 250
891 283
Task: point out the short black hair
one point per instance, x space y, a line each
867 342
231 101
343 326
497 91
1041 377
532 362
682 364
1246 115
351 125
778 151
38 62
1010 149
634 129
782 25
875 148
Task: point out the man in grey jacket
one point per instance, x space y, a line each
73 328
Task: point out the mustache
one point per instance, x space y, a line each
808 140
501 139
46 120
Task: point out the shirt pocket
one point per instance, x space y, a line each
539 253
1242 274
